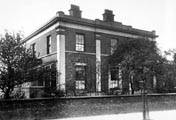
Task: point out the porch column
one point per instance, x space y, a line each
154 81
98 64
61 59
109 78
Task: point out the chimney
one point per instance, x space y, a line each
108 16
75 11
60 13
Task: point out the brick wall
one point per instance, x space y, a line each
73 56
70 42
71 59
52 108
41 47
88 57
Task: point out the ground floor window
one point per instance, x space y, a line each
115 77
80 85
47 77
80 76
50 77
113 84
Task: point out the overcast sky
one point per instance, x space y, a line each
158 15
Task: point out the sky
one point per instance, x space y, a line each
158 15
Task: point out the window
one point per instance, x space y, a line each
113 45
48 44
33 48
80 77
49 76
79 42
80 85
71 12
41 81
114 72
114 84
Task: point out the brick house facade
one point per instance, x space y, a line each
79 48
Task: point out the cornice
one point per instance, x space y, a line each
113 26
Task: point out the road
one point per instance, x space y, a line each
154 115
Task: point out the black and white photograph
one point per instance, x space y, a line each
87 60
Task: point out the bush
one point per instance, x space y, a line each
1 95
53 92
19 94
59 93
115 91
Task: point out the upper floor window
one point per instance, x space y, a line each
113 45
33 49
48 40
79 42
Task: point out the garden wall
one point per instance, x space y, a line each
82 106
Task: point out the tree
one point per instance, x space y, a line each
168 84
138 58
17 63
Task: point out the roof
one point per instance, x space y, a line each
114 26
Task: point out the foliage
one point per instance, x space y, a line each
18 94
59 93
167 84
139 58
49 76
17 63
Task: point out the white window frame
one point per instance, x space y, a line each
113 45
80 42
80 84
114 83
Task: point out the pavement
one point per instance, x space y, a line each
154 115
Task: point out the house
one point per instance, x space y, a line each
79 48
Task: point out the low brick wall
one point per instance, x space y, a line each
83 106
119 99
